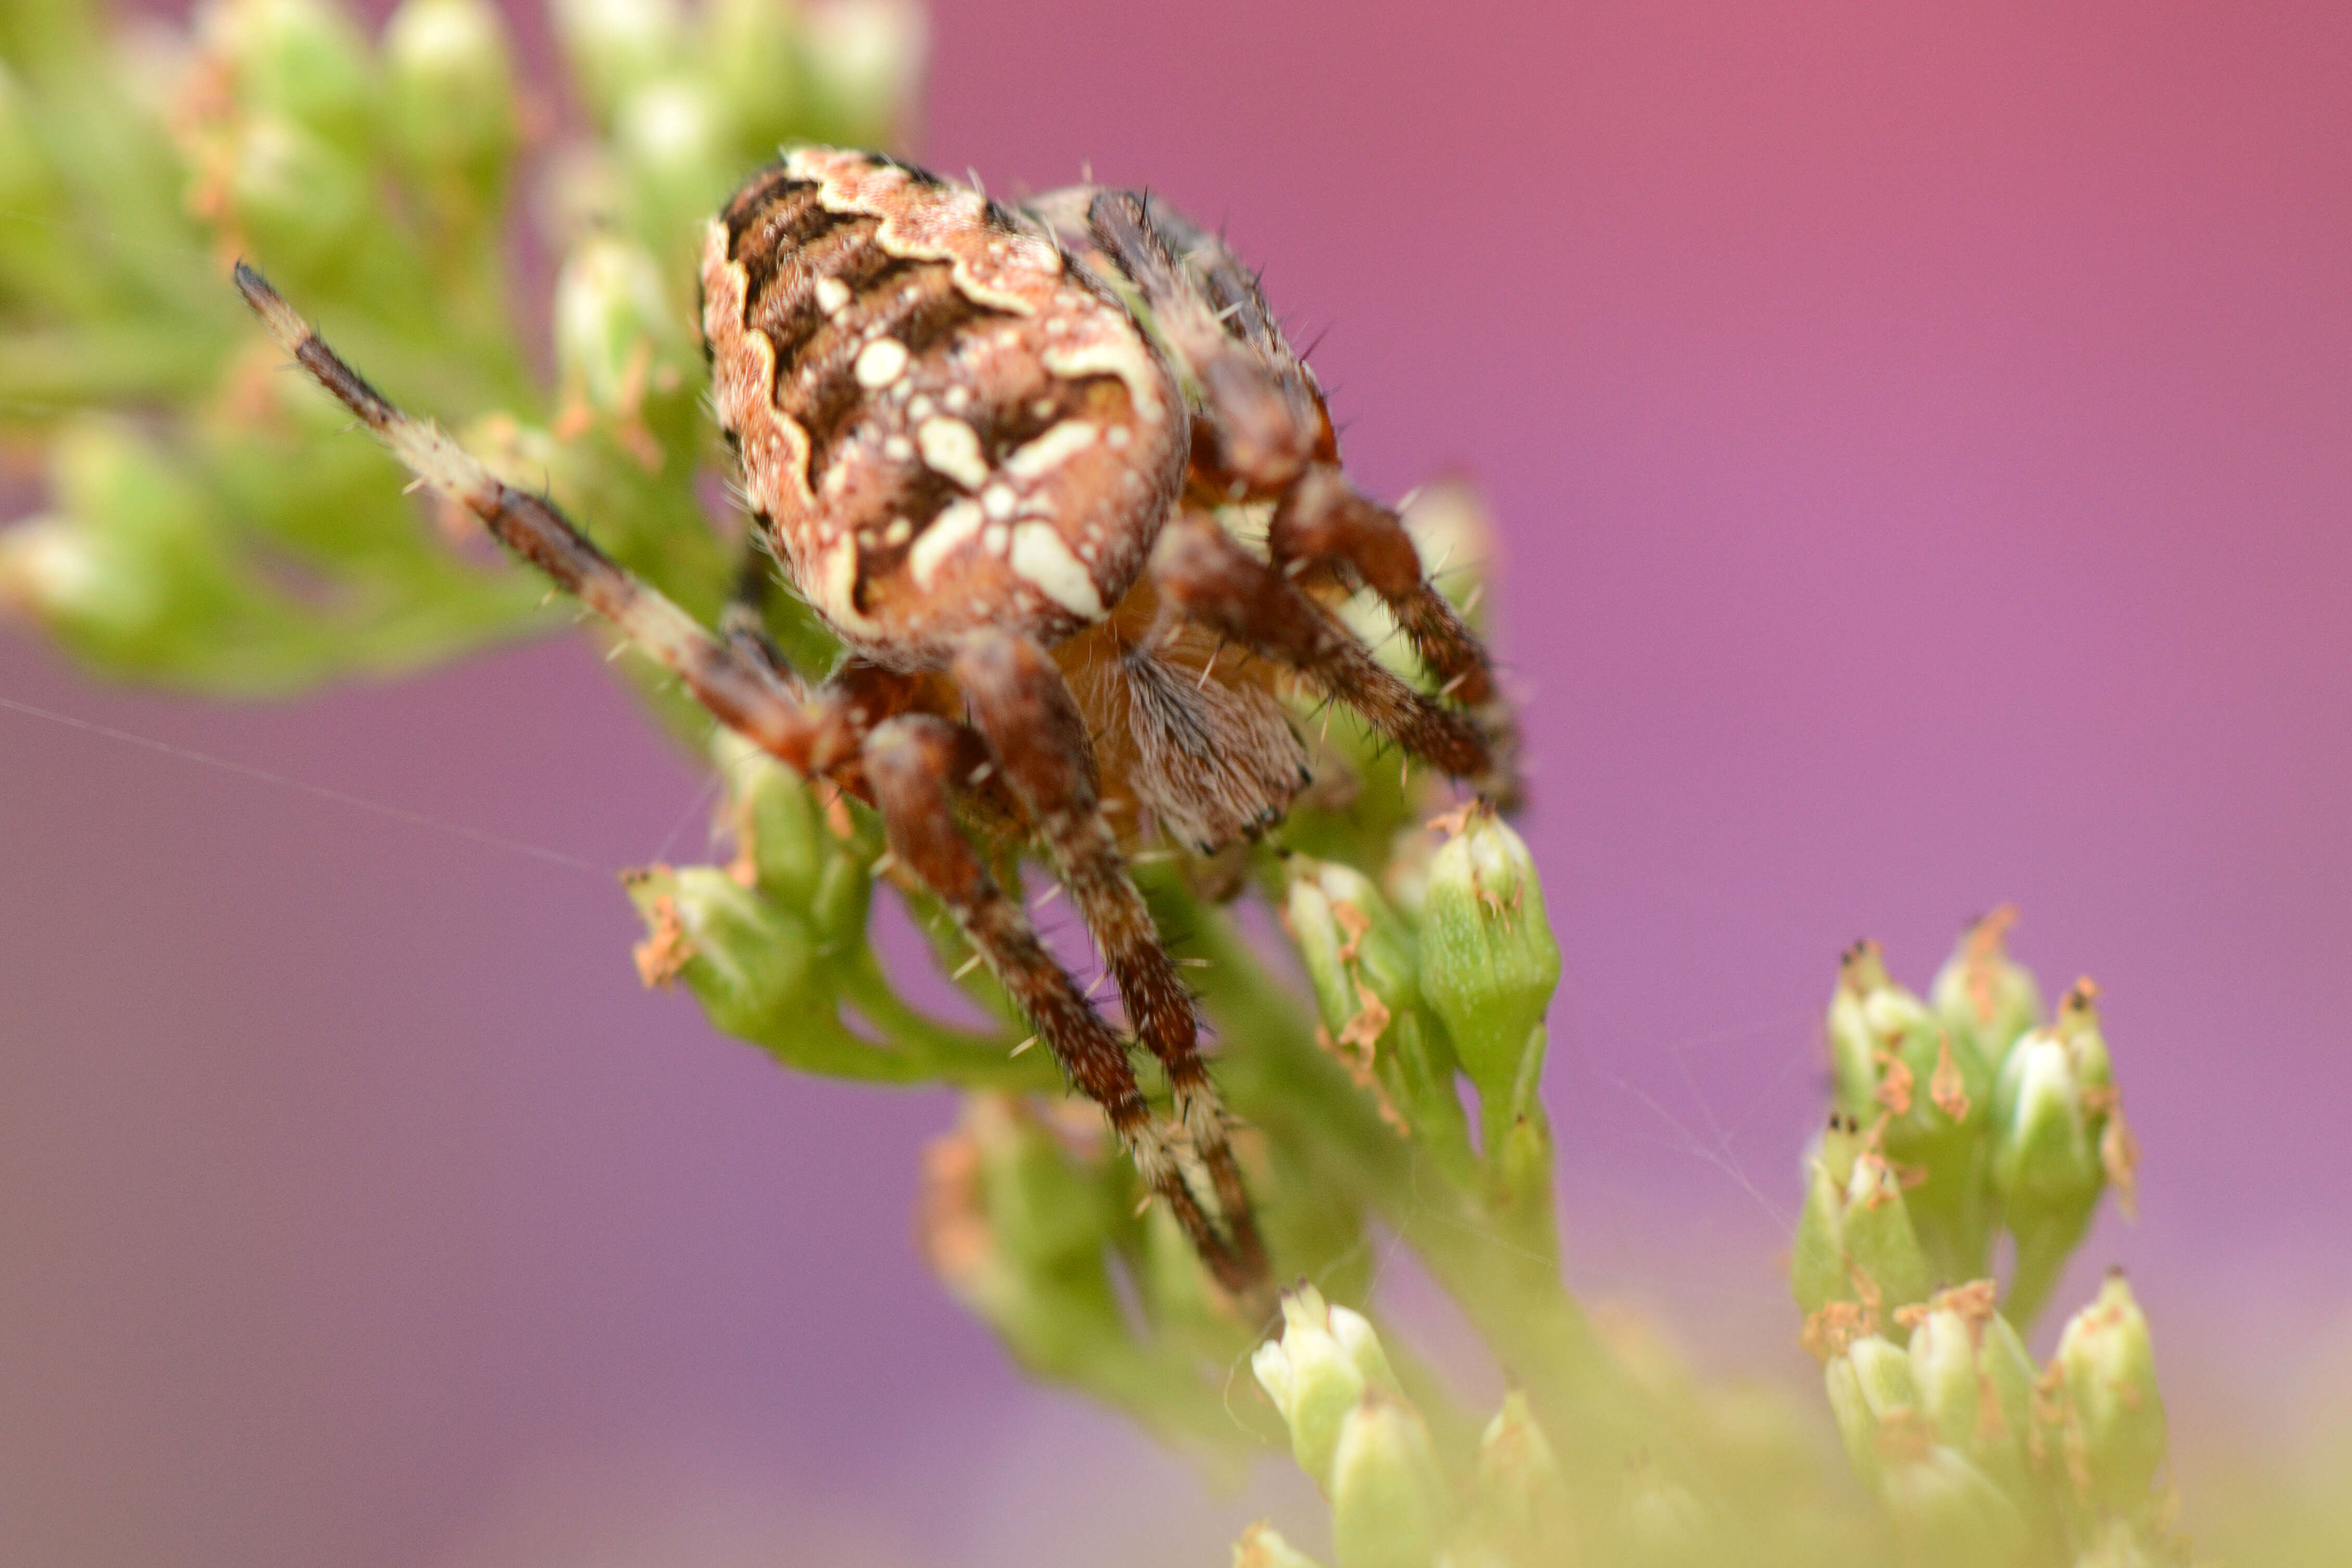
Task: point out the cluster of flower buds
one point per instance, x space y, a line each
1919 1090
224 540
1954 1119
1981 1457
1415 1005
1397 1500
685 99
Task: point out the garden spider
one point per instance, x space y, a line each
990 447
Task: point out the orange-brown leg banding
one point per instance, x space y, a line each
1324 523
1037 739
913 764
1205 573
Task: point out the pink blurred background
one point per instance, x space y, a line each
1922 438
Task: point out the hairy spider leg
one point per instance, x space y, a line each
913 763
1324 523
741 693
1209 577
1263 432
1038 738
907 762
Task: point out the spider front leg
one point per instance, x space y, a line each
742 690
914 765
1037 743
1324 524
1204 575
1263 432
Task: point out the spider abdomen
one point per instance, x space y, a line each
941 424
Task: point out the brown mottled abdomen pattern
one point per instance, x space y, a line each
941 423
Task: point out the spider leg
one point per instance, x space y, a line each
904 761
741 692
1261 419
1037 739
743 621
912 763
1323 522
1263 432
1207 576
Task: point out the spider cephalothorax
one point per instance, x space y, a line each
990 447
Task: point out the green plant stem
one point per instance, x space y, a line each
966 1057
2042 1255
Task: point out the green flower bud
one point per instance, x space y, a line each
1488 965
1975 1380
1856 1241
1363 960
299 59
1948 1511
1044 1203
1520 1498
301 201
1881 1245
677 151
754 48
1661 1521
1261 1547
99 593
1318 1373
747 959
615 332
864 60
1888 1053
1382 945
2109 1414
1984 997
450 80
1896 1069
1817 1271
780 832
1389 1501
1870 1390
803 852
1347 933
2059 1135
49 570
617 45
1818 1274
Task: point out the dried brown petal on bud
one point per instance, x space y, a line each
1986 997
